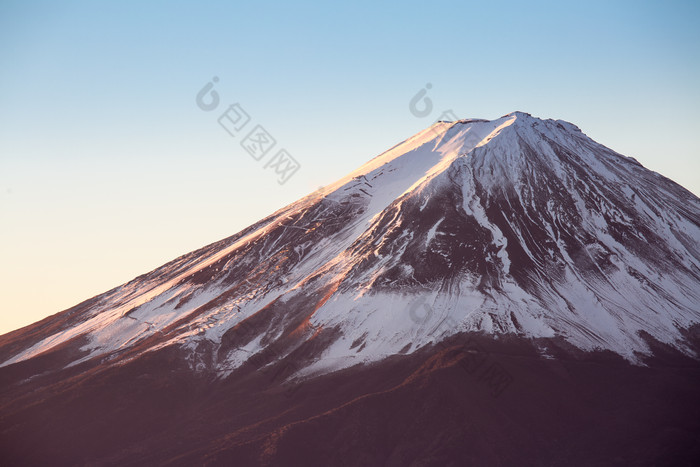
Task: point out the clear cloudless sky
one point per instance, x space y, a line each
109 169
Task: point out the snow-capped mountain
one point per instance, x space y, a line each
512 226
515 228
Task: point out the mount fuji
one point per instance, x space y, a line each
504 292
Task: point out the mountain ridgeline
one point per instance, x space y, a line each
516 259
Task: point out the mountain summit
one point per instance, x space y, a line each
512 226
518 231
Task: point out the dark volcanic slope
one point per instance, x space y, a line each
514 226
503 292
468 401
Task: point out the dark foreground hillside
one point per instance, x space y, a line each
468 401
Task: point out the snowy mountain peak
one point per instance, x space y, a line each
519 114
516 226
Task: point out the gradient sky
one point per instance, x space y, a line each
109 169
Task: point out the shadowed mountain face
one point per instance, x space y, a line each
484 292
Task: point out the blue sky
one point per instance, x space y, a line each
108 168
